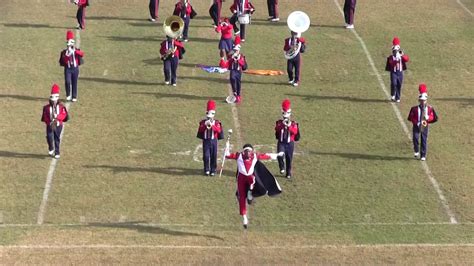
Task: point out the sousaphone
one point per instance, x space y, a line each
299 22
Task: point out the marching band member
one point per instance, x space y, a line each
253 178
236 64
81 13
225 43
215 11
154 7
184 10
421 116
286 132
171 52
291 46
273 10
54 115
210 131
71 58
349 10
396 64
237 8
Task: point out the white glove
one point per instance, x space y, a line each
281 154
273 156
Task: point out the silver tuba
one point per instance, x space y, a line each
298 22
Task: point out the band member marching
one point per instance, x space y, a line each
293 48
236 64
154 6
396 64
273 10
240 8
184 10
171 52
210 131
81 13
215 11
253 178
421 116
54 115
71 58
225 43
286 132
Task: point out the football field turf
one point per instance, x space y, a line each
129 185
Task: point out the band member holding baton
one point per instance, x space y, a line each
210 131
253 178
421 116
54 115
286 132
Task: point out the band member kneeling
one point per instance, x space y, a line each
171 52
210 131
286 132
54 115
253 178
236 64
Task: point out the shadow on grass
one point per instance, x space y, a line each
157 61
35 26
20 155
121 82
465 102
114 18
341 98
131 39
161 95
362 156
150 229
174 171
23 97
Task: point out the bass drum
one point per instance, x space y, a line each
244 19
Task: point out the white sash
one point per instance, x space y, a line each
241 165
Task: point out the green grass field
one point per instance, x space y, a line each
129 186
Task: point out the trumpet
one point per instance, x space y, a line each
287 122
209 123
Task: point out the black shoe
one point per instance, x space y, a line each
246 226
249 201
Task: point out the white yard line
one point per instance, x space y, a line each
465 8
235 117
54 162
49 180
395 108
276 247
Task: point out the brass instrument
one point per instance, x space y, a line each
209 123
173 26
298 22
287 122
423 123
